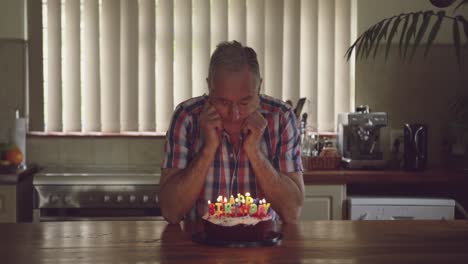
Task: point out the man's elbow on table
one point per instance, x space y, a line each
168 211
171 217
291 217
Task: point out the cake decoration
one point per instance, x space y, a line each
238 219
242 205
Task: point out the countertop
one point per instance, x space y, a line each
308 242
430 176
13 177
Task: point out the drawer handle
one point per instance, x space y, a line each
2 202
402 217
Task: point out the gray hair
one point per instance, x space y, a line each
232 56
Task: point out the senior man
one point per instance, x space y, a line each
233 140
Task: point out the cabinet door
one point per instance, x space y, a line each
7 204
323 202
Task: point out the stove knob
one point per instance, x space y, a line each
119 198
156 199
68 199
145 198
53 199
132 198
106 198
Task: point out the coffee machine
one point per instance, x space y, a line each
359 138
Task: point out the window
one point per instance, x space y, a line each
118 66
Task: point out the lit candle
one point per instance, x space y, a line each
261 208
252 208
266 206
241 209
219 204
241 198
248 199
211 208
227 208
231 200
218 208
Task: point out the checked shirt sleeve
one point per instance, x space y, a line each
290 153
176 148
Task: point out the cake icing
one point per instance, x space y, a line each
238 219
232 221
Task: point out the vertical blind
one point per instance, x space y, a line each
123 65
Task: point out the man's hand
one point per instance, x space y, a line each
211 126
253 129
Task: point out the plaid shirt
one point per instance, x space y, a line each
230 172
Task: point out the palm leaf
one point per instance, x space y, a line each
422 30
465 27
456 41
349 52
403 31
434 31
411 32
375 32
366 43
392 34
383 33
359 45
460 4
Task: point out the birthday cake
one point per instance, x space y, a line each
243 219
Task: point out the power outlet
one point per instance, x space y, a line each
397 134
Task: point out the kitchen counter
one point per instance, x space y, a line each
15 176
310 242
432 176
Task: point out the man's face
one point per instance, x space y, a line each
234 95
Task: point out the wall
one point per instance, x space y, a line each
12 22
12 63
373 11
418 91
12 83
93 151
415 91
408 92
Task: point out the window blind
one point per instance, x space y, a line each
123 65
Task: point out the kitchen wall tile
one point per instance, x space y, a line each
146 151
111 151
43 151
74 151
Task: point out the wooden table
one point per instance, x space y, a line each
308 242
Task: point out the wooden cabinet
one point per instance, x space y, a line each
8 204
323 202
16 195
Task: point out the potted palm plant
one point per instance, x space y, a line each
410 30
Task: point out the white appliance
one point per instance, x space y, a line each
399 208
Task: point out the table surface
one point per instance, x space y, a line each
308 242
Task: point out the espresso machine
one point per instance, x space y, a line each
359 138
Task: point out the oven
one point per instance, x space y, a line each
95 194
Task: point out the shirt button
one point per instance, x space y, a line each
231 155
